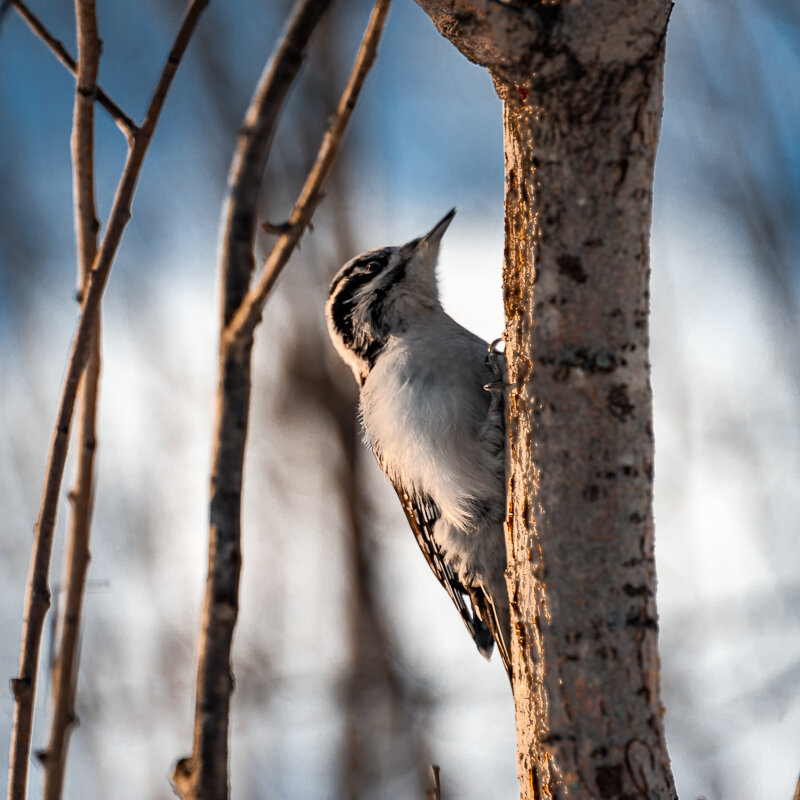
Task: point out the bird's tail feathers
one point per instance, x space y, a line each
495 626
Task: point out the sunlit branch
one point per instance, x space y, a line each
205 772
37 599
249 314
65 667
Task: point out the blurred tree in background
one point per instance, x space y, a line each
426 135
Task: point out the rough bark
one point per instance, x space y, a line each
581 85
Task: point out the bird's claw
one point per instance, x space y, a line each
495 361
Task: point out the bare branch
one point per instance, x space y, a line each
124 122
65 670
86 226
37 599
247 167
436 792
248 316
205 773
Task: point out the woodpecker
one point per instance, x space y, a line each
431 405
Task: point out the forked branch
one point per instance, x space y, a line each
205 773
124 122
249 314
37 600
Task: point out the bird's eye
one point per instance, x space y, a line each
372 267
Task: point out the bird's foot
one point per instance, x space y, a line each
496 362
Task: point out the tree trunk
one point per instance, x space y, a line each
581 86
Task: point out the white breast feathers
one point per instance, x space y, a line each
423 407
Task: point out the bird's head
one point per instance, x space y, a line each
381 292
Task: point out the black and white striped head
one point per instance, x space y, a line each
381 292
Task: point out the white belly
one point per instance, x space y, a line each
423 420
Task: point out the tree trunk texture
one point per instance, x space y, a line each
582 88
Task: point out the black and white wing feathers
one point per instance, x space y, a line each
422 514
486 610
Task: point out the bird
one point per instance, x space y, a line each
431 407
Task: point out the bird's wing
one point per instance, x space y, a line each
422 514
496 622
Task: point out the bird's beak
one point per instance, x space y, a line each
435 234
420 256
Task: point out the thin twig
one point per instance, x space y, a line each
797 791
77 561
124 122
249 161
204 774
65 670
241 327
436 792
37 599
86 224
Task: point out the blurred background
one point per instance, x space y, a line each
353 671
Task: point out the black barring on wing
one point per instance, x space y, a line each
422 514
